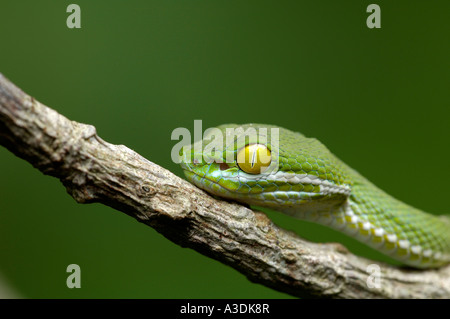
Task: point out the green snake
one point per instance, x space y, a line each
300 177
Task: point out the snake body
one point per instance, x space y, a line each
311 183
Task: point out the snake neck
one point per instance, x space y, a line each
396 229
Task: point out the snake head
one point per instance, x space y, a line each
264 165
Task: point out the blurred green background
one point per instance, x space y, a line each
378 98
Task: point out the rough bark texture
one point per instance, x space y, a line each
93 170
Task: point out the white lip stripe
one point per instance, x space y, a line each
325 185
404 244
392 238
379 232
367 226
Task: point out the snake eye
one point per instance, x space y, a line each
254 158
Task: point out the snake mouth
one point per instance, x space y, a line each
204 182
278 198
207 176
215 188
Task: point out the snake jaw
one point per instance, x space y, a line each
235 184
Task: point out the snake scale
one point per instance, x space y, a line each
302 178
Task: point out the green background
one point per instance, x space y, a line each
378 98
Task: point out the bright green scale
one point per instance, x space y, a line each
311 183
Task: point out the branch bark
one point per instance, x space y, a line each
93 170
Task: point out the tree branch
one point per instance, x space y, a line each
93 170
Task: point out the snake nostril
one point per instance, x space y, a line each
223 166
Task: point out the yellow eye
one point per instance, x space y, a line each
254 158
